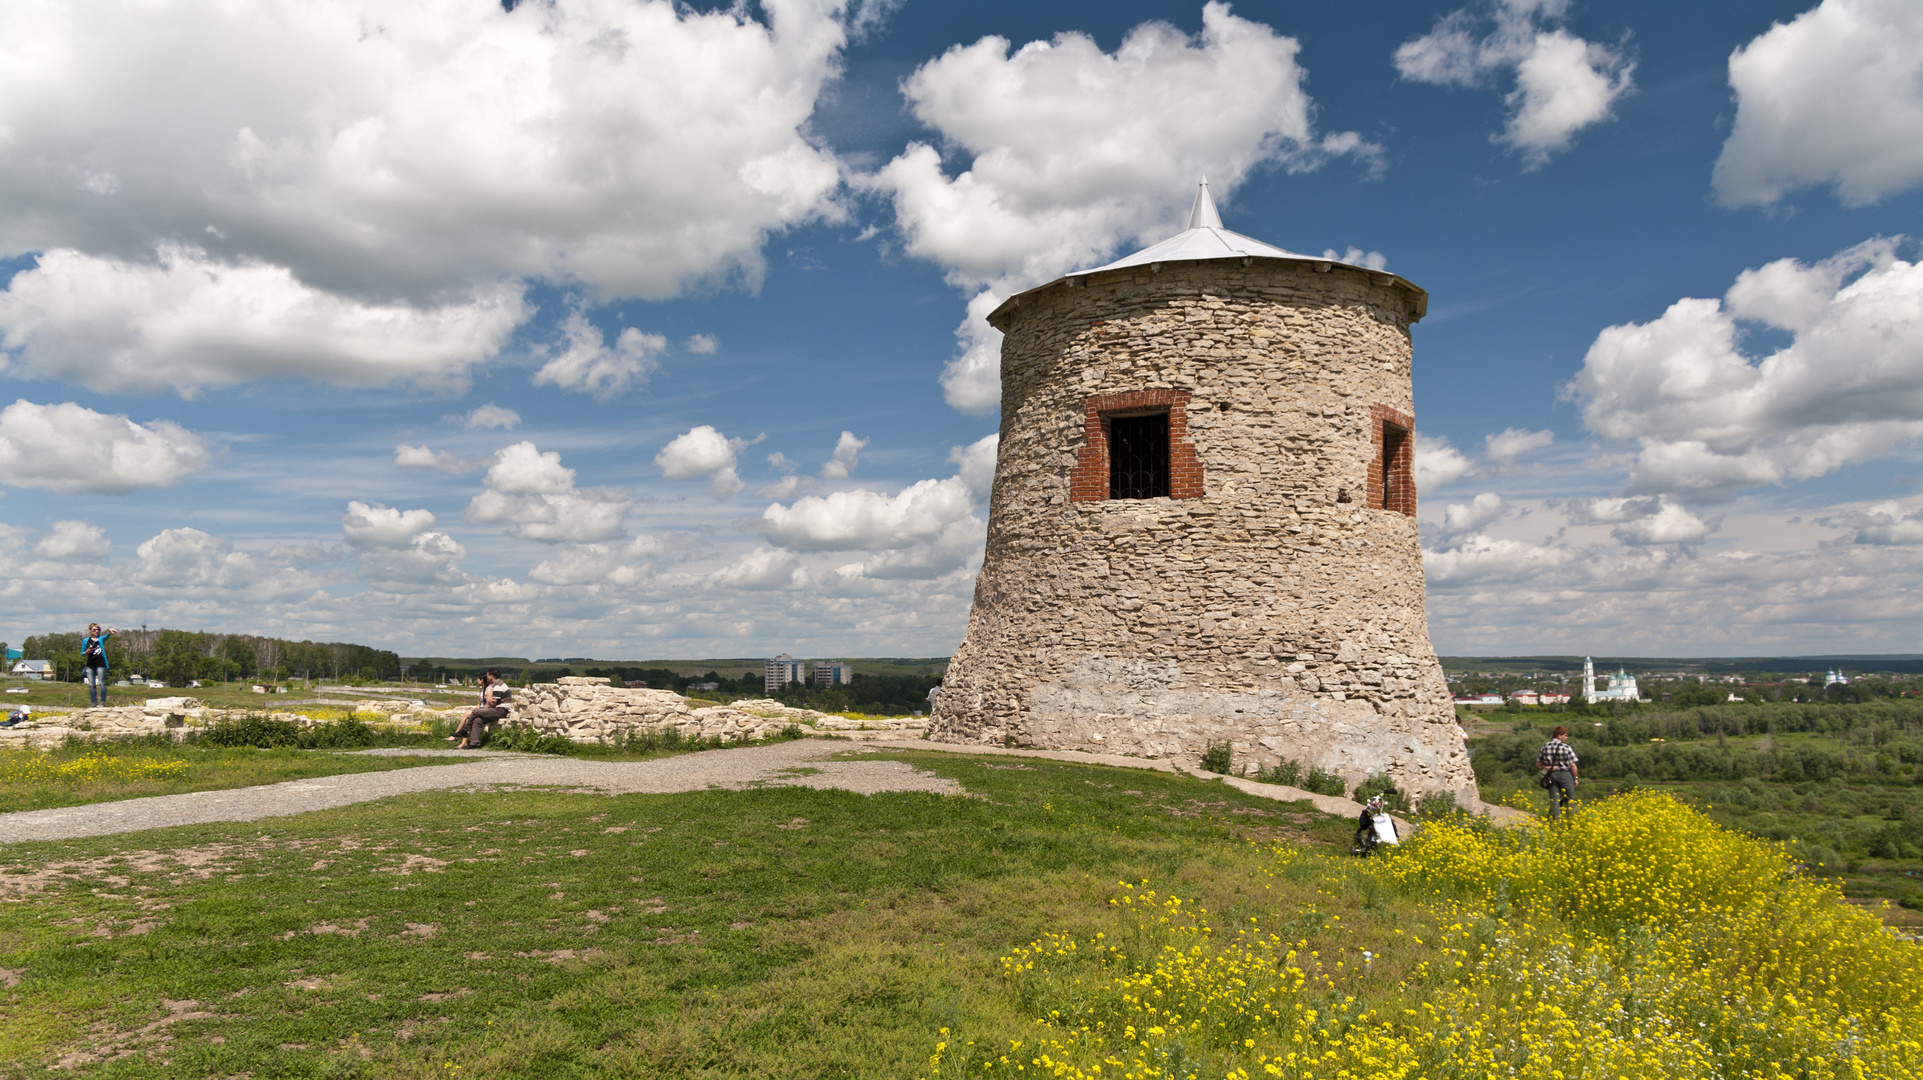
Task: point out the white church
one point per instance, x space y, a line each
1622 685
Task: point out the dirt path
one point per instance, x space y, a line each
801 763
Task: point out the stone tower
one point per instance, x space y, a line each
1203 520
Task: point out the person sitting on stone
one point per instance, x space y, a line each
492 710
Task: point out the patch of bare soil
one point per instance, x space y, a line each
20 880
353 931
106 1044
562 956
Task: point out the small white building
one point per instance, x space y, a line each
34 669
1533 697
1478 699
1835 678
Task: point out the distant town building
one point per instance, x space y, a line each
827 674
781 671
1533 697
34 669
1478 699
1622 685
1835 678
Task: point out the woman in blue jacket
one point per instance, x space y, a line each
93 663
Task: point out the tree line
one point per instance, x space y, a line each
1878 742
178 657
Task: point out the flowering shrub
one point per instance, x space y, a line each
32 766
1638 939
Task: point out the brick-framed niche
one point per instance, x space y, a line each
1089 481
1392 471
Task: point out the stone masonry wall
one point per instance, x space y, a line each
1274 609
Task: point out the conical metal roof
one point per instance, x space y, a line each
1205 238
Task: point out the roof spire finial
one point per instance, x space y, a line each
1202 215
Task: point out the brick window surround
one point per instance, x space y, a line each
1392 482
1089 481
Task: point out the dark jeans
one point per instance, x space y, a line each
474 728
1565 787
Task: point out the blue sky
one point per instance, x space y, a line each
610 329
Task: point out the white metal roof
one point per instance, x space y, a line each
1205 238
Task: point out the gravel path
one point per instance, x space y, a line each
800 763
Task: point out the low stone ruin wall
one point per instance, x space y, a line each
179 715
585 710
593 710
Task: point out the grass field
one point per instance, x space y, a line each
104 772
781 932
794 933
221 695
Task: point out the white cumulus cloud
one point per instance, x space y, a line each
762 568
191 321
632 147
1562 82
847 452
372 184
1509 444
922 514
421 457
588 366
1355 256
1480 556
1670 524
704 452
1074 150
1884 523
188 561
73 542
1834 96
71 449
1709 418
378 526
705 344
1438 463
534 495
487 416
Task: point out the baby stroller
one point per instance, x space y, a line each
1373 828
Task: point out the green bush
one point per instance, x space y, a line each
524 739
1325 783
1218 757
1286 771
1437 805
1295 774
1380 784
265 733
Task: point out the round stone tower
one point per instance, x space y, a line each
1203 521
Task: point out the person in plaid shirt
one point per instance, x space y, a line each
1557 760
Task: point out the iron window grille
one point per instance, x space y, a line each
1138 457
